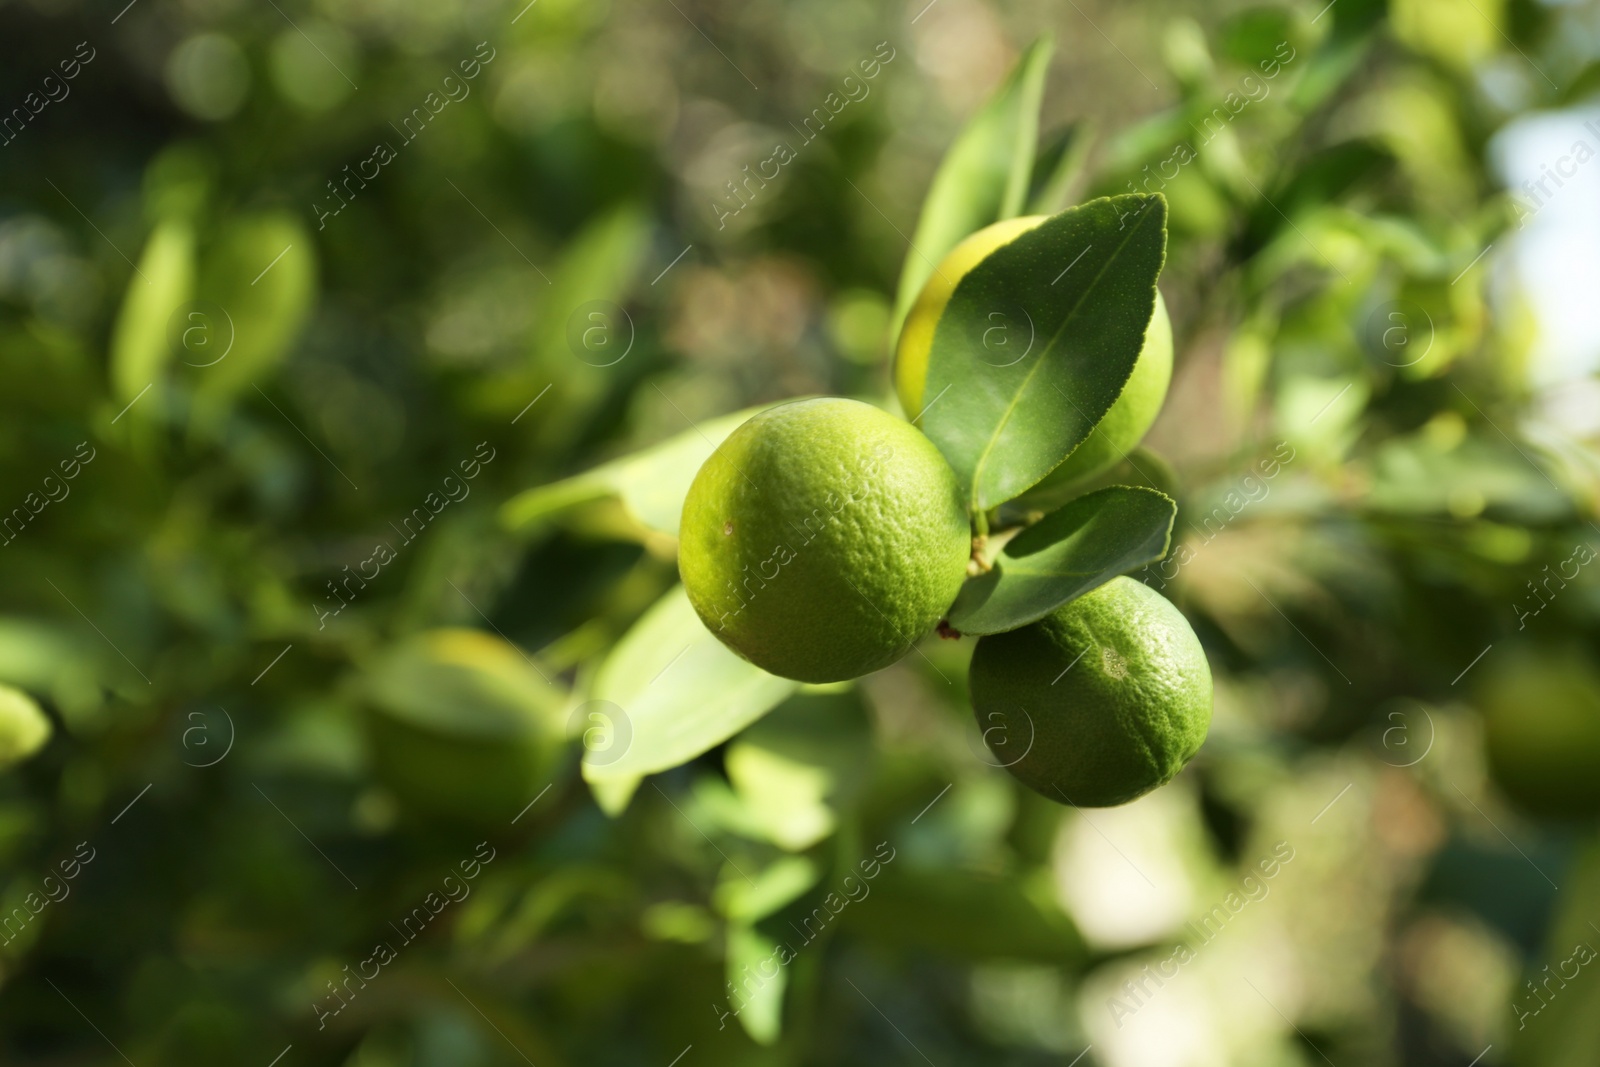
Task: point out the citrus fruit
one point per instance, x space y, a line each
1098 703
822 538
460 725
1541 710
1124 424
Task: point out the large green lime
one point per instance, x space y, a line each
822 539
1098 703
1541 710
1122 427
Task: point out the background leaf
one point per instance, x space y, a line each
1560 1026
651 483
1067 553
1082 286
1059 168
262 271
140 351
984 175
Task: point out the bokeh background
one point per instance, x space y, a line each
281 282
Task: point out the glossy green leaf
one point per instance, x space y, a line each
1038 340
1059 168
140 351
651 483
674 692
24 729
984 175
1067 553
583 335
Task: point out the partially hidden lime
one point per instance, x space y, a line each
461 725
1098 703
822 539
1122 427
1541 710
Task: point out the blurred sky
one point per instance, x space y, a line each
1555 255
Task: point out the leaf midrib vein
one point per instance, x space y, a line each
1016 398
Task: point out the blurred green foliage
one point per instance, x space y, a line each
272 743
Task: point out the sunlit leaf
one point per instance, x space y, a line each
798 766
757 979
748 898
24 729
140 349
651 483
675 691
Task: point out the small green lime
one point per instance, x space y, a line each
1098 703
1541 710
1123 426
461 725
822 539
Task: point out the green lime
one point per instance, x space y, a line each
822 539
460 724
1098 703
916 336
1123 426
1541 710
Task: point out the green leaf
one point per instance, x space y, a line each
757 978
1064 555
779 885
797 769
1559 1026
1081 287
1059 168
652 483
983 177
262 272
24 729
968 914
583 334
164 280
465 683
674 692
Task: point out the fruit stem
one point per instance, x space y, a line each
979 563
